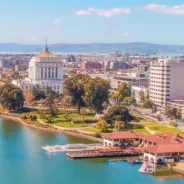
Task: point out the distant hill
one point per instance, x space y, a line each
95 47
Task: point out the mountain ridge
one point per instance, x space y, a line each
94 47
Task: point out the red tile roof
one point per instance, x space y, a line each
165 148
163 138
121 135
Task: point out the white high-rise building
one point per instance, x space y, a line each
45 70
165 82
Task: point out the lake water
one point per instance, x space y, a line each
22 161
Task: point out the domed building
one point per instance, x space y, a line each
45 70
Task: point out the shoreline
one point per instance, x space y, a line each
65 132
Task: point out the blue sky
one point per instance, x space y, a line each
91 21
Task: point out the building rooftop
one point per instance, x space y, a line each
46 53
165 148
122 135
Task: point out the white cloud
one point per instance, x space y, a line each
108 13
176 10
57 21
85 12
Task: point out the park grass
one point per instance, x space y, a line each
142 131
69 125
96 130
162 128
71 119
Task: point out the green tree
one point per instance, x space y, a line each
129 100
105 105
141 96
114 96
119 125
124 91
102 125
50 92
118 113
11 97
38 93
74 87
49 102
176 113
96 93
148 104
29 96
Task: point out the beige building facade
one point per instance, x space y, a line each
165 82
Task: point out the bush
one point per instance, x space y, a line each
34 103
48 119
159 118
173 123
24 116
32 117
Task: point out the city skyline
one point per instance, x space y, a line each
92 21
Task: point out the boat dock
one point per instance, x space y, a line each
104 152
148 168
72 147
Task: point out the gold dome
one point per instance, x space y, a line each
46 55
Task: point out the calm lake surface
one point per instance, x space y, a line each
22 161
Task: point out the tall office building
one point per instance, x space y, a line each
165 82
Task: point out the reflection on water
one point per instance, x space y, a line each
10 128
166 173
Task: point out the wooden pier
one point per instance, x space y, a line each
105 152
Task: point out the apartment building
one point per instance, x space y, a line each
166 84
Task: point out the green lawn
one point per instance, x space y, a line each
71 119
68 125
163 128
142 131
95 130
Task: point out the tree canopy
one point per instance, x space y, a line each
102 125
11 97
148 104
74 87
84 90
124 91
96 93
118 113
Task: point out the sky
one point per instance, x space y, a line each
92 21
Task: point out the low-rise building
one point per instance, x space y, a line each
116 65
92 65
159 148
132 79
